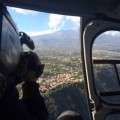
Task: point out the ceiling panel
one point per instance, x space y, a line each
68 7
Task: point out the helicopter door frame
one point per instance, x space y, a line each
90 29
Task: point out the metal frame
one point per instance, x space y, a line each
93 28
113 62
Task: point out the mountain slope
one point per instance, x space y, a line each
60 40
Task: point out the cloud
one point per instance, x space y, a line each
55 21
35 33
112 33
23 11
75 20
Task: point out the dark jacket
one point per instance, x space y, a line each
30 107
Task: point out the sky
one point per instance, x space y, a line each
39 23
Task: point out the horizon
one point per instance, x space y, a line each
39 23
36 23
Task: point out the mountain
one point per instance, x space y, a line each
68 39
108 42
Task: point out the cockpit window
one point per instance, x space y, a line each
106 66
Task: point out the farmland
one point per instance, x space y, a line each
60 69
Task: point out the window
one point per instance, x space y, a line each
106 60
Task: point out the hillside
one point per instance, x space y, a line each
60 40
62 81
70 97
70 39
107 42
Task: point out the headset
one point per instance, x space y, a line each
32 61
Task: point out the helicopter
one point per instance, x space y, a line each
97 16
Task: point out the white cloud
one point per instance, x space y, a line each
112 33
23 11
35 33
55 21
76 20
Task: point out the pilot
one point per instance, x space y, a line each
32 105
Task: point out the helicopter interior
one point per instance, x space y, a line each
97 17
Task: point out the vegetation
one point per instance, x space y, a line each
70 97
62 82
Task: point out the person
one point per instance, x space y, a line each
32 105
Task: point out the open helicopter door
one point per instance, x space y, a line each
100 108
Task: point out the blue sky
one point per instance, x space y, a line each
38 23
